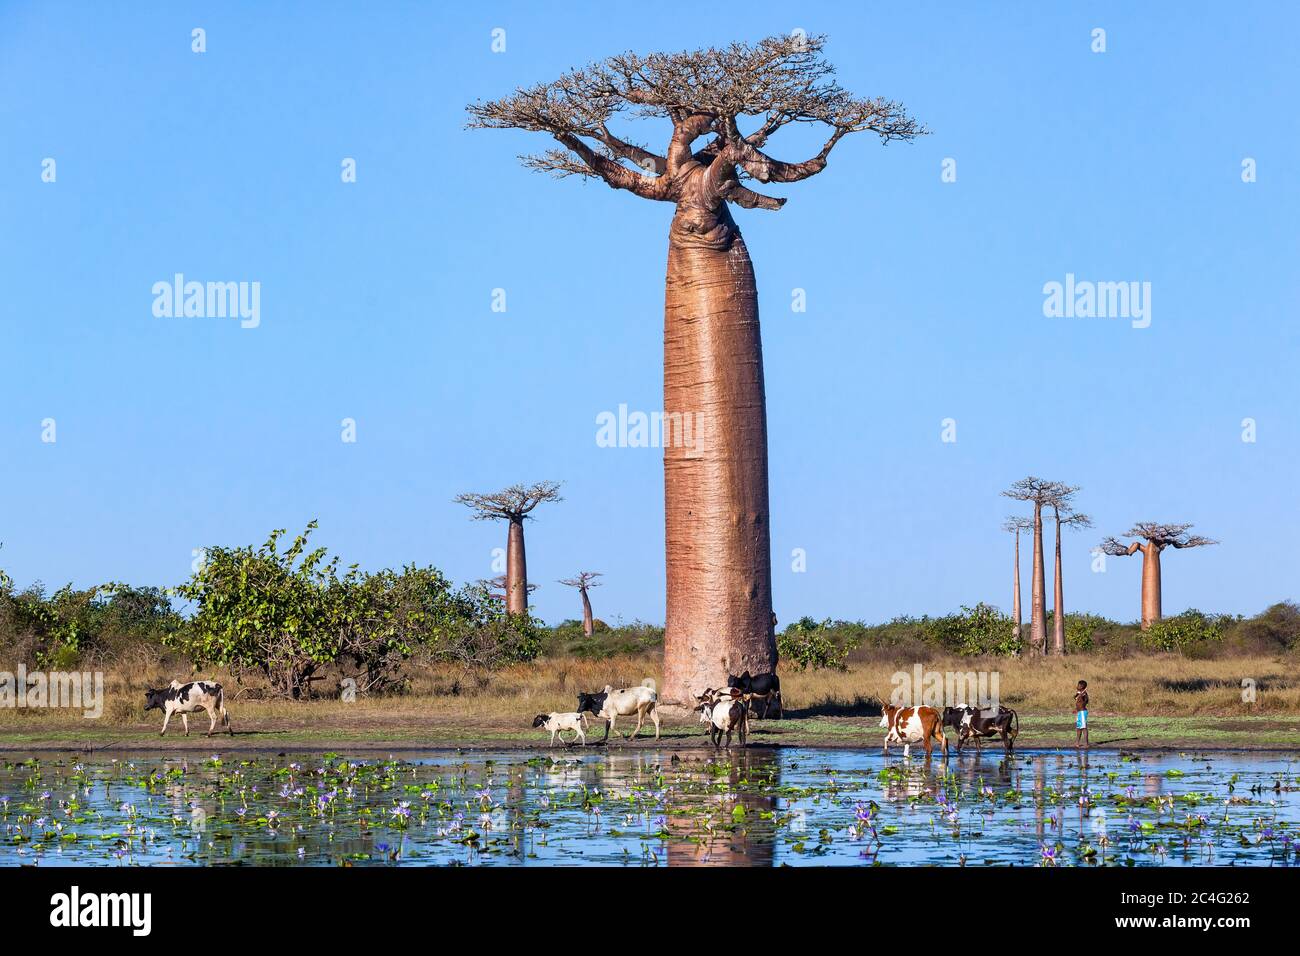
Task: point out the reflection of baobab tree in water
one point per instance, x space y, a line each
625 807
733 824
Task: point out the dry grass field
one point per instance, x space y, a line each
1154 699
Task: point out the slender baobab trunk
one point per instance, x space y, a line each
1038 597
1058 596
1015 594
588 623
1150 584
516 569
719 575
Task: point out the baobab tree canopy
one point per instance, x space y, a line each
707 92
512 503
1159 535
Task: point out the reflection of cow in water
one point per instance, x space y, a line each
910 725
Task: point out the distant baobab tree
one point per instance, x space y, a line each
496 588
1155 538
1066 517
717 539
513 505
584 582
1017 524
1039 492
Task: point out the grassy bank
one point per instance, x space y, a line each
1153 700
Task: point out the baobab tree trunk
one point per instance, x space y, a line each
588 623
516 570
1150 585
1038 599
719 574
1015 594
1058 598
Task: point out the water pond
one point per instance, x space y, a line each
626 807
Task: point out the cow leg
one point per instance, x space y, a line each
185 722
654 715
907 751
212 720
609 724
640 719
581 736
225 719
943 739
167 716
552 743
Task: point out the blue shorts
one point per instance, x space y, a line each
1081 720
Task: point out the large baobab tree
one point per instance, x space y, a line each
717 546
585 581
1017 524
1039 492
1154 539
1066 517
513 505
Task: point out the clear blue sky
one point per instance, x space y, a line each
924 297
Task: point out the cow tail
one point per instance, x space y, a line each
1016 719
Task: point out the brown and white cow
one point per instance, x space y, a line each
910 725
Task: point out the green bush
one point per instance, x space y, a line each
66 626
288 614
1186 633
567 639
479 635
1277 630
1083 632
807 643
982 629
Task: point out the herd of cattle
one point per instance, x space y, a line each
726 711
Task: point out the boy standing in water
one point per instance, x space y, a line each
1081 714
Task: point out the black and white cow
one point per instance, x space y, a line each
610 704
1003 722
185 699
764 687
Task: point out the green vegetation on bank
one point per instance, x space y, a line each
293 616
